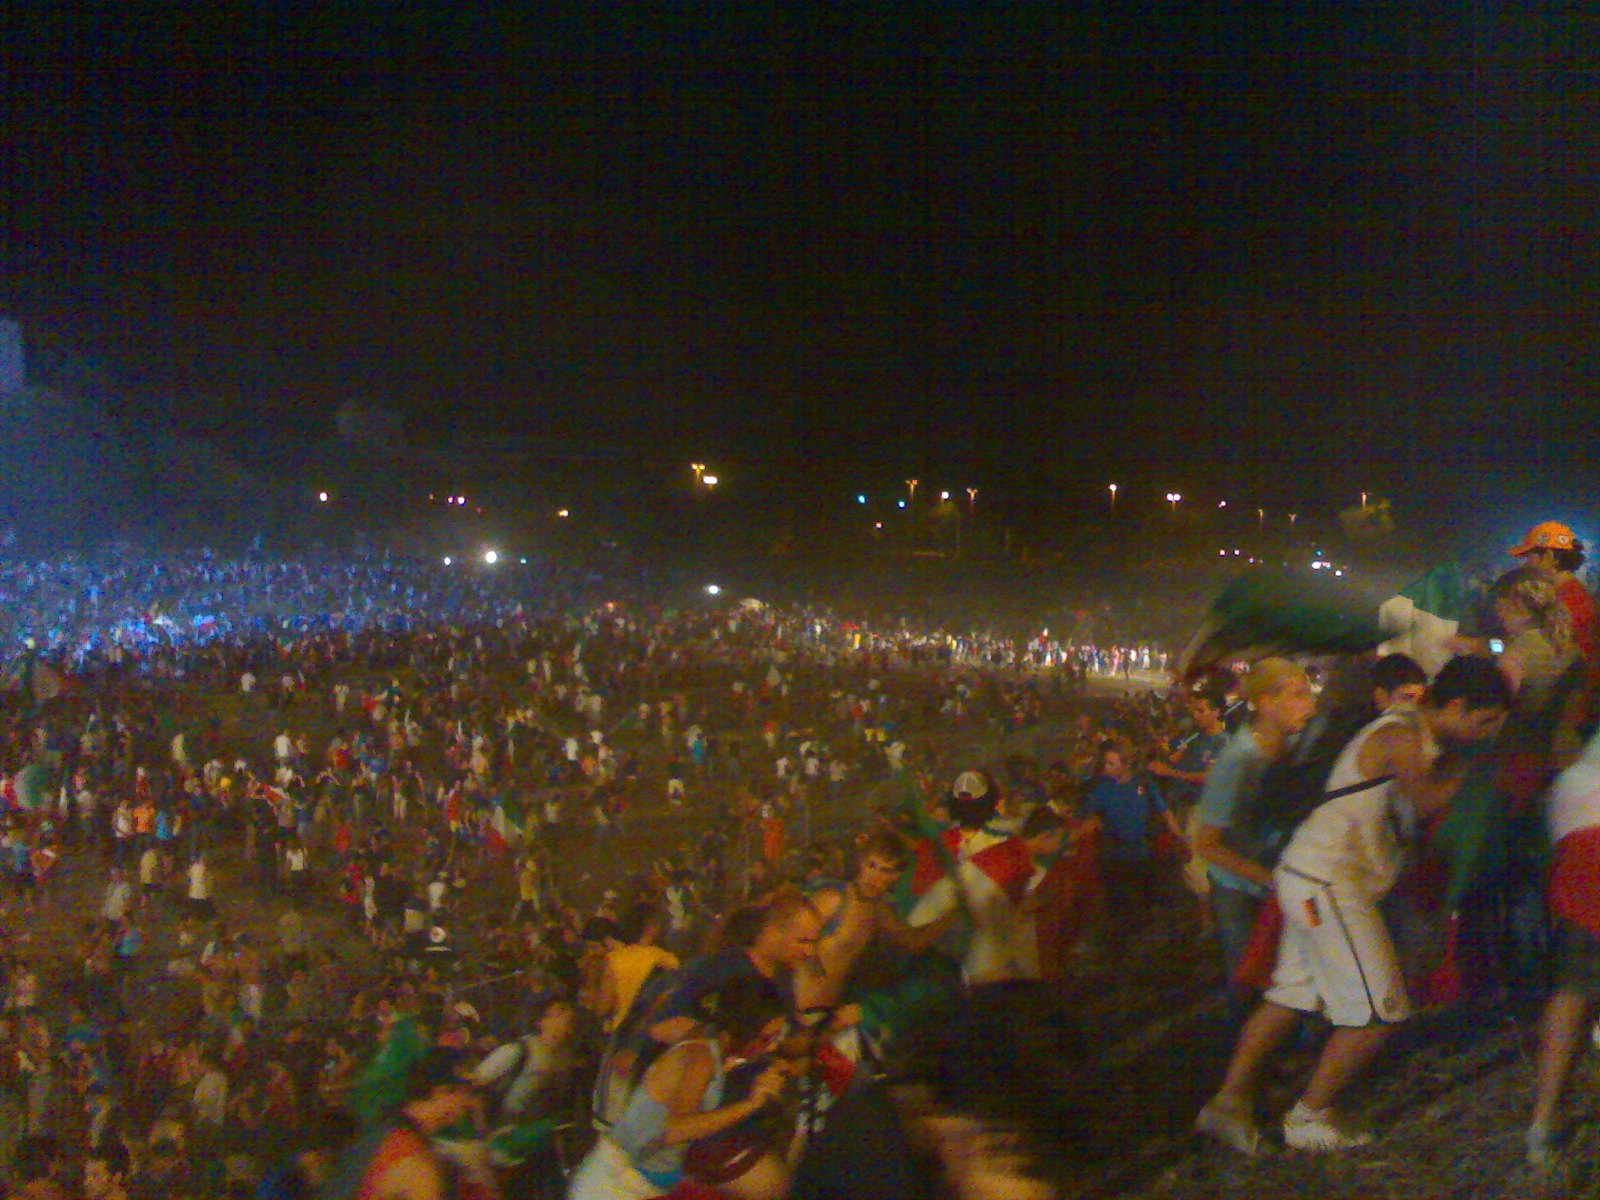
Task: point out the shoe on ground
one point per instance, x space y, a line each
1233 1126
1543 1147
1310 1129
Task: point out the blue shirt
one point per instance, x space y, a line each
1234 777
1126 809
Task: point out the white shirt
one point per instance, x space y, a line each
1357 843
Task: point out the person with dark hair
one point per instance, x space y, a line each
1336 956
1397 679
1554 551
675 1095
986 875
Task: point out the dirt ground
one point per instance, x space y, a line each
1449 1101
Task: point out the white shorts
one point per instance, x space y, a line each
1336 956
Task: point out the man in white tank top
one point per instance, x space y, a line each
1336 956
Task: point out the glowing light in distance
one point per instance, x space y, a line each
861 499
877 524
901 503
491 557
523 561
944 495
447 560
563 513
709 480
713 590
322 496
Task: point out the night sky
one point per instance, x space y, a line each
1279 251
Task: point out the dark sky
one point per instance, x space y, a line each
1275 249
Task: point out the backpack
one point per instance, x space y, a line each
1295 786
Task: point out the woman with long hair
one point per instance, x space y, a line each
677 1095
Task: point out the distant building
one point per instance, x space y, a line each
13 366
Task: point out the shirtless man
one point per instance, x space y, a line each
854 914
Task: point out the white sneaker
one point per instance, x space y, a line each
1312 1129
1231 1124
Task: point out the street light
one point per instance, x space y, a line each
323 497
1172 499
1113 489
709 480
1261 519
699 470
943 496
1292 517
491 557
911 490
972 499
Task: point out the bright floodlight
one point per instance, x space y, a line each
709 480
491 557
713 590
447 560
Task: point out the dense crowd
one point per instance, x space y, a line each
270 820
371 877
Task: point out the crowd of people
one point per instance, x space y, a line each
376 878
269 823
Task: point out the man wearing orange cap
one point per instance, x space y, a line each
1552 548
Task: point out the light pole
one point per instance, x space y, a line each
911 490
699 470
1261 519
972 499
1292 517
1172 499
1113 489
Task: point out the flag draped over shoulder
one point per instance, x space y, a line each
1272 612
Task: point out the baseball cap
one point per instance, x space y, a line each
970 785
1546 535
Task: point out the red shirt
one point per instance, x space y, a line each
1585 623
